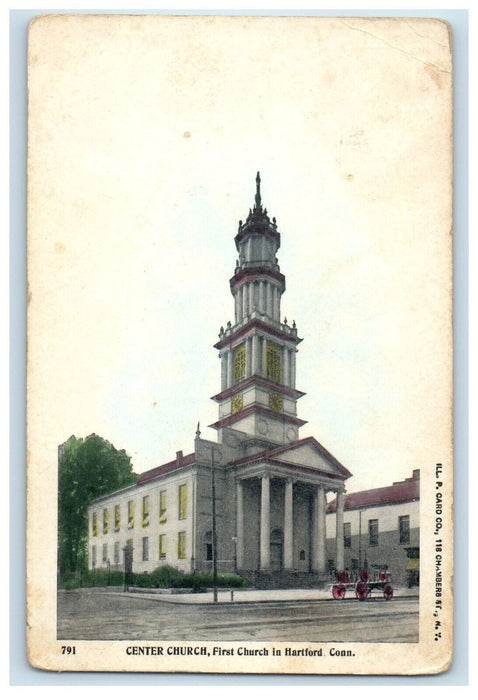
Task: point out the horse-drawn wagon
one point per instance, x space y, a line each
363 584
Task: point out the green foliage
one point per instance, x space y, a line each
169 577
166 577
88 468
162 577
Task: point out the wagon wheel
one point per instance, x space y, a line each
387 592
361 590
338 591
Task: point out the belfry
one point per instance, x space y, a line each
266 486
258 394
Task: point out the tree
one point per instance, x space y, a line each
88 468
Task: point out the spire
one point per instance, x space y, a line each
258 191
258 220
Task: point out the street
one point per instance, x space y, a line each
92 614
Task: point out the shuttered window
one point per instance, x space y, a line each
94 525
162 507
117 518
130 514
183 501
181 545
145 511
106 521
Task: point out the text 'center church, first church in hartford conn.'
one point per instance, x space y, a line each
271 487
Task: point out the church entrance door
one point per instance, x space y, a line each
277 547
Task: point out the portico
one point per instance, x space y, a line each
281 511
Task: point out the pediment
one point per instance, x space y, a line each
311 454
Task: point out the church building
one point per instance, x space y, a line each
265 487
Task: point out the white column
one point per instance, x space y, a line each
288 525
239 525
314 544
248 356
286 367
245 301
265 527
240 302
292 368
251 297
255 354
321 530
264 356
339 532
223 371
269 299
276 304
229 368
262 297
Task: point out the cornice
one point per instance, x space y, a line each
255 324
260 381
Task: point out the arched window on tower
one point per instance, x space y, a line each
273 362
239 362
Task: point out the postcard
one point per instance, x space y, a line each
240 448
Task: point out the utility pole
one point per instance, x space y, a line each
214 531
360 539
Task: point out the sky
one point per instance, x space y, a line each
145 138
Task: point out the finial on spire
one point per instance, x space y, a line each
198 431
258 190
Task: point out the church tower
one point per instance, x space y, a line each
258 352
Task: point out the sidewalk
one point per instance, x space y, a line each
256 596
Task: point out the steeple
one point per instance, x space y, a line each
258 394
257 222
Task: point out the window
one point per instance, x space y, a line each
117 553
94 525
117 518
162 507
162 546
373 533
145 510
302 555
181 545
130 514
404 529
105 553
183 501
347 535
273 362
145 548
93 556
106 521
208 545
239 362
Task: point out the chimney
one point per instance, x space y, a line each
179 458
416 475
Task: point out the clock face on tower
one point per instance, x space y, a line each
275 401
